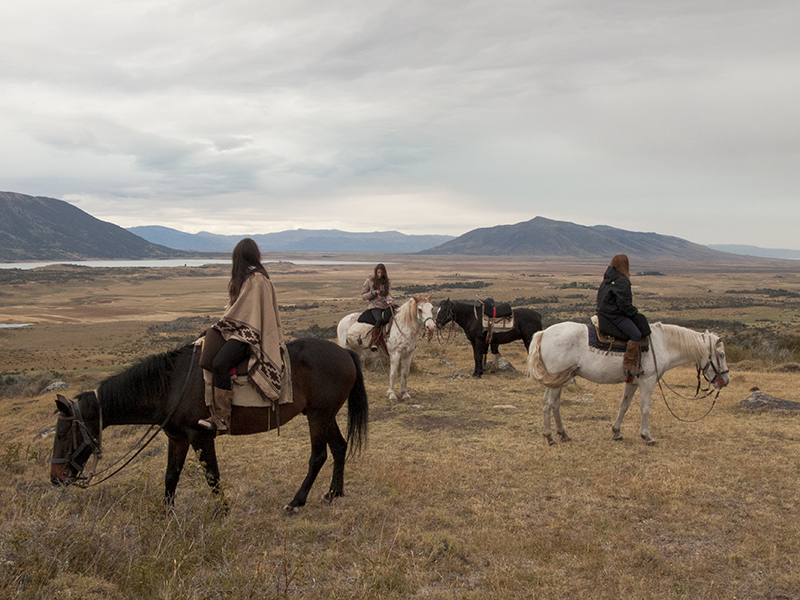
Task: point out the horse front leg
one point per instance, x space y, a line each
478 354
319 454
495 349
645 399
177 449
206 450
338 446
627 396
394 362
405 369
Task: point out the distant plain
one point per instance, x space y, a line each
457 495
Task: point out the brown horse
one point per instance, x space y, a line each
168 390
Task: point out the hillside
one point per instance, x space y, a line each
43 229
298 240
545 237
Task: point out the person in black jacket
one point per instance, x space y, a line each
618 315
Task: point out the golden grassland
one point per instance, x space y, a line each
457 495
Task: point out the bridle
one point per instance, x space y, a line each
78 427
716 381
450 317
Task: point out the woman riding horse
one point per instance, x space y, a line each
617 314
251 328
377 292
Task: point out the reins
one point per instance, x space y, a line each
708 391
85 482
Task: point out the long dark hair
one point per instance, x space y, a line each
381 283
621 264
246 259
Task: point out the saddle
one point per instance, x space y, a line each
496 316
244 392
608 343
360 334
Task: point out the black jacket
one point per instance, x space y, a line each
614 298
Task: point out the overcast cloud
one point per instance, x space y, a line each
246 116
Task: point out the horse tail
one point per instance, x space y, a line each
536 370
357 411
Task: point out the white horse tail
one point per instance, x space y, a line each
538 372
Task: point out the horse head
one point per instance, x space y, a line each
716 369
425 315
446 313
78 437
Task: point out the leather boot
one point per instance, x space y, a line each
220 412
630 362
376 334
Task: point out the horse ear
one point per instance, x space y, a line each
62 404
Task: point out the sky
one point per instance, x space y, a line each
240 117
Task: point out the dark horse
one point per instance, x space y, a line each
526 322
167 389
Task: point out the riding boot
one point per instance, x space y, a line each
376 334
220 412
630 362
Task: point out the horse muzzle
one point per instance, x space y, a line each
59 476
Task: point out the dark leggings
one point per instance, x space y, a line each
629 328
229 356
381 316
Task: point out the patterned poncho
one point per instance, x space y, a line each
253 319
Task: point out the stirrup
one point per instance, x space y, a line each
214 423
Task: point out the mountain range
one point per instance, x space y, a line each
296 240
47 229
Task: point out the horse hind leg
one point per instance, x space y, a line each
338 446
319 454
552 402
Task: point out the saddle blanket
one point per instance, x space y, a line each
360 334
497 324
601 341
246 394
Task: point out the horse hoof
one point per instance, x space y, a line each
648 440
564 437
616 435
330 495
291 510
550 440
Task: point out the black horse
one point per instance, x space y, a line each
526 323
168 390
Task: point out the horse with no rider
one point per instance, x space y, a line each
526 323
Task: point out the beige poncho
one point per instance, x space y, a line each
253 319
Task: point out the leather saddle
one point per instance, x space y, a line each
609 343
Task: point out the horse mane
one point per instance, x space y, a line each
150 378
687 342
407 313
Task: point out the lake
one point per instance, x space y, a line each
199 262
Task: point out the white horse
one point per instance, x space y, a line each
412 316
562 351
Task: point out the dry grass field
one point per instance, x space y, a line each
457 495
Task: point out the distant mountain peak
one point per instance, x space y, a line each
43 229
547 237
